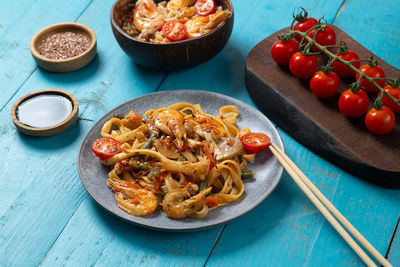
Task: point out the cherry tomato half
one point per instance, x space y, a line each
255 142
304 26
281 52
326 36
106 147
174 31
373 72
353 105
324 85
302 66
205 7
341 69
380 121
386 101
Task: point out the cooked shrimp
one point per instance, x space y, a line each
147 16
170 122
132 120
180 9
203 24
178 204
132 198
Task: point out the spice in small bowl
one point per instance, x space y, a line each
64 47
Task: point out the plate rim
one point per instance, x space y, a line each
186 229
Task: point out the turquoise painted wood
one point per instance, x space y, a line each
46 216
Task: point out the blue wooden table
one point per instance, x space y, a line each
47 217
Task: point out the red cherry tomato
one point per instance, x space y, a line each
302 66
326 36
255 142
324 85
386 101
373 72
380 121
304 26
106 147
341 69
205 7
353 105
174 31
281 51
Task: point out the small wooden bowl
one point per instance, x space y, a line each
175 55
46 131
68 64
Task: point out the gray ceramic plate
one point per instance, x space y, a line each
267 170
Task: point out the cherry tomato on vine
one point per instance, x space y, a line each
353 105
304 26
324 85
380 121
205 7
255 142
106 147
174 31
324 37
281 51
373 72
302 66
386 101
341 69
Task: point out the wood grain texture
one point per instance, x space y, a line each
318 123
46 216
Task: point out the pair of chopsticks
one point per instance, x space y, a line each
319 201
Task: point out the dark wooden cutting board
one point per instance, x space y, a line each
317 123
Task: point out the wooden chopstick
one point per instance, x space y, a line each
333 209
295 174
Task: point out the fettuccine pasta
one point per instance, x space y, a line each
177 158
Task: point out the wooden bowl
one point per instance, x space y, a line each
171 56
68 64
46 131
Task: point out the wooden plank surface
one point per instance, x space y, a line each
46 216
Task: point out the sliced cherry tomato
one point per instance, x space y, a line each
106 147
341 69
386 101
324 85
373 72
281 51
174 31
302 66
255 142
326 36
205 7
304 26
353 105
380 121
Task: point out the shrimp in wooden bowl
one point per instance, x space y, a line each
174 20
174 34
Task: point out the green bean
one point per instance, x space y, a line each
203 185
155 172
149 142
181 158
143 166
119 116
247 173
